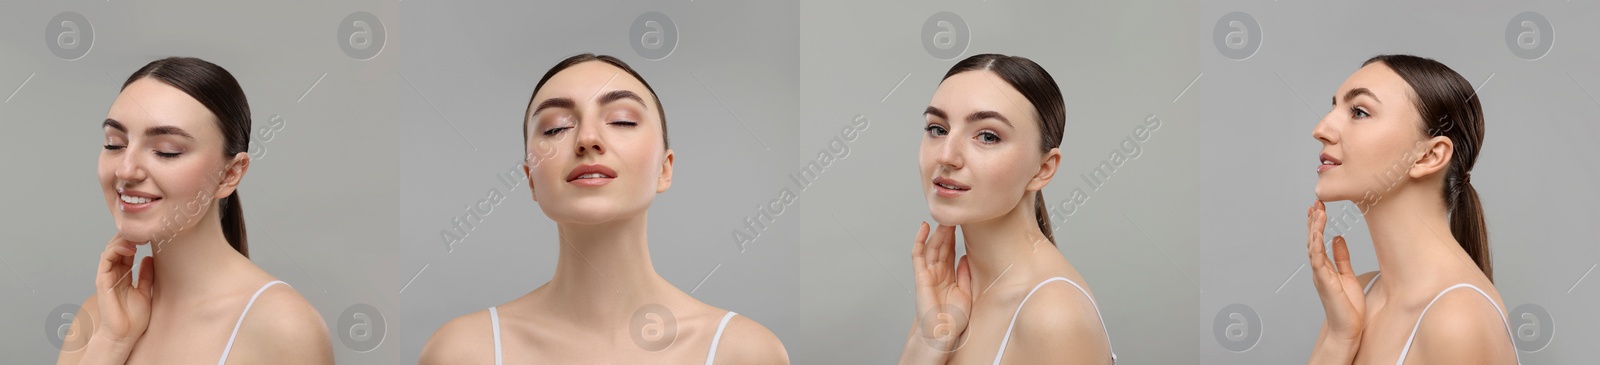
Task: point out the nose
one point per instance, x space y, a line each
950 153
129 168
589 139
1324 130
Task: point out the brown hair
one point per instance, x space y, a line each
586 57
1449 108
215 88
1040 89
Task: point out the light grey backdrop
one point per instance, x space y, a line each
1535 174
1117 64
729 87
319 198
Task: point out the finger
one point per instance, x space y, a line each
964 275
1341 256
147 274
919 260
947 246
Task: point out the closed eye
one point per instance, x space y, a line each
555 131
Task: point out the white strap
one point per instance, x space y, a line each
1013 325
494 321
1407 349
229 348
1370 282
718 337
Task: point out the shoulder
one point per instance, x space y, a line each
282 322
1463 326
79 332
746 342
1058 319
465 339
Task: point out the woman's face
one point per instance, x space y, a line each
1370 139
594 146
163 165
980 149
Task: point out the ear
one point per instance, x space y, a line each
665 180
528 175
1047 170
232 174
1435 157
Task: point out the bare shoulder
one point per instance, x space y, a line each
1058 324
1464 327
467 339
745 341
282 325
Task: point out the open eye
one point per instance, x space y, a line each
935 130
988 137
1359 112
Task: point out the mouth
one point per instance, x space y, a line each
591 175
949 188
1328 163
131 201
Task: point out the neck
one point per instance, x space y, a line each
190 262
1411 237
604 272
1005 247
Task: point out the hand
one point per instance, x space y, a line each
1343 303
124 311
944 289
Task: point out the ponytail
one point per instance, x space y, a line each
1043 215
232 214
1466 223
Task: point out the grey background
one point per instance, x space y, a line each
1116 62
729 90
1535 175
319 202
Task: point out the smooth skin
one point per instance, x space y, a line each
1375 130
189 294
984 134
604 273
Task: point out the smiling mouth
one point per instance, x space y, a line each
135 200
1328 162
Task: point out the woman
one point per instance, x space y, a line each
174 154
596 155
1400 142
990 146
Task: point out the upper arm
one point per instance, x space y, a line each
464 340
748 342
283 327
1059 325
78 334
1463 327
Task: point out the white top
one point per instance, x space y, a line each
229 348
1407 349
711 356
1013 325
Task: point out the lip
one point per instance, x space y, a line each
943 192
585 169
127 207
1327 163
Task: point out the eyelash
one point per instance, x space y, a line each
988 133
558 130
1360 112
165 155
934 130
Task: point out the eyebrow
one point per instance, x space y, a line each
616 95
152 132
1357 91
563 103
974 117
